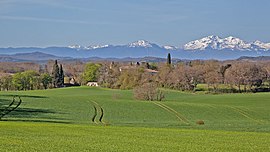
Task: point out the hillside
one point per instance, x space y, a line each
28 57
245 112
259 58
66 120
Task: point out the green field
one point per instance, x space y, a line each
61 120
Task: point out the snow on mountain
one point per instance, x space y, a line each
75 47
136 44
168 47
232 43
91 47
141 43
204 43
207 43
260 45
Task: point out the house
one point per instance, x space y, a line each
69 82
92 84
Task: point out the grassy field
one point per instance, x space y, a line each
23 136
62 119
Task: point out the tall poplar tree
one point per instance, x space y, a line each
61 75
169 59
55 75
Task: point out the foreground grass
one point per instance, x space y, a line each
21 136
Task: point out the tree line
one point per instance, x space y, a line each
33 80
197 75
210 75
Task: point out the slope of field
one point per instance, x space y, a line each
21 136
233 112
96 119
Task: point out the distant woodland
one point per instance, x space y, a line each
198 75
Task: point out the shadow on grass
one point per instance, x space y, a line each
29 114
25 112
4 102
33 115
26 96
38 120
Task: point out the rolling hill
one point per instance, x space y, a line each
69 119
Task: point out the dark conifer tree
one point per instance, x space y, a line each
61 75
169 59
55 75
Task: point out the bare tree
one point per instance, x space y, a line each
164 75
246 75
149 92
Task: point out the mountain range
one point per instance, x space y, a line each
233 43
39 57
210 47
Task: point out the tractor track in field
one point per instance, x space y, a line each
97 109
95 114
180 117
11 107
244 114
210 106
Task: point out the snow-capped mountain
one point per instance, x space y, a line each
257 45
210 47
75 47
97 47
91 47
136 44
169 47
232 43
141 43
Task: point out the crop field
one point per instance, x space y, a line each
97 119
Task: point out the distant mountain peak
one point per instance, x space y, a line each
169 47
213 37
75 46
232 43
97 46
203 43
141 43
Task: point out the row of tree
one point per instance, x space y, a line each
214 75
229 76
28 80
33 80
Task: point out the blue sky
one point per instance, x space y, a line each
165 22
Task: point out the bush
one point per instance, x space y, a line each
200 122
149 92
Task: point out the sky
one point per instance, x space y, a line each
45 23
